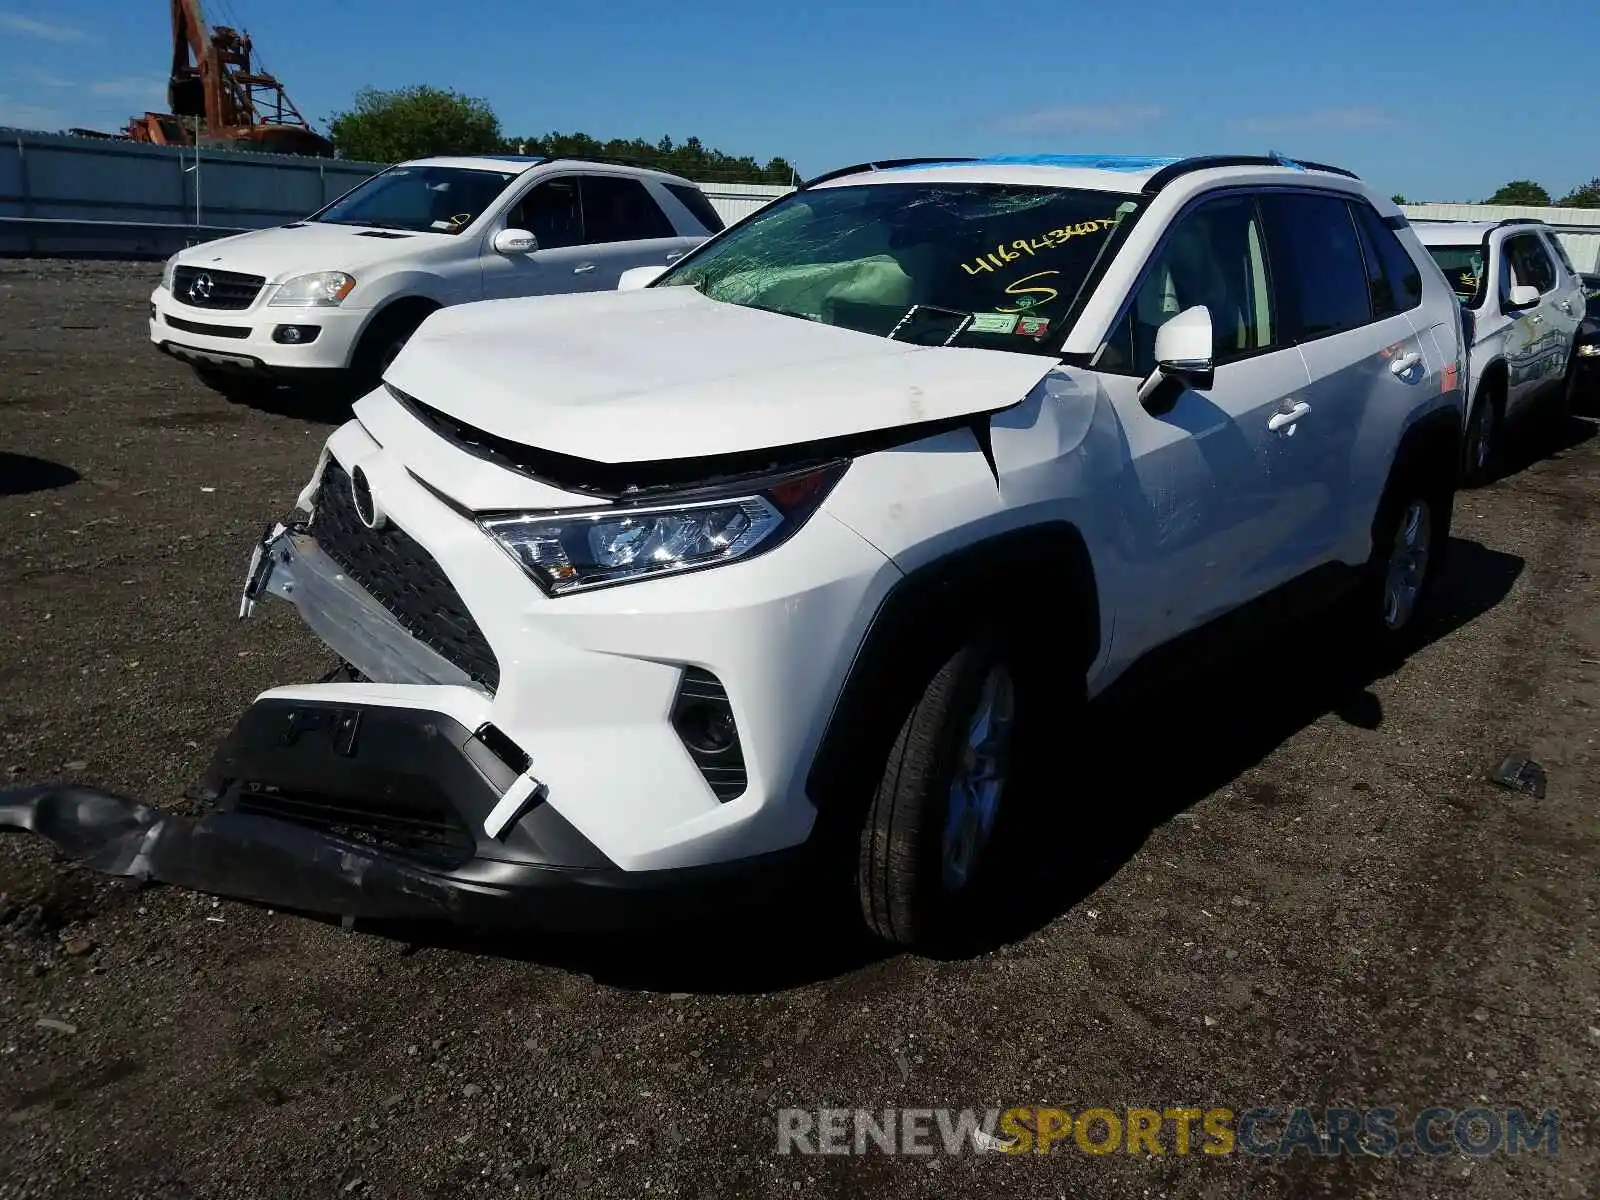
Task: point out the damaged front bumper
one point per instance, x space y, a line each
371 812
287 563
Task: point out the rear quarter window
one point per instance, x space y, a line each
699 207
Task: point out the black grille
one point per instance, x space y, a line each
421 828
401 576
227 289
227 331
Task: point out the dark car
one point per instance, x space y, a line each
1588 347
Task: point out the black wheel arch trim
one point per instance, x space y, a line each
1046 564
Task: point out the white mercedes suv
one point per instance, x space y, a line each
335 296
1523 302
797 548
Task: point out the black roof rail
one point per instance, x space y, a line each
1522 221
1207 162
880 165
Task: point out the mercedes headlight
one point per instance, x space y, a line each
167 270
320 289
1590 349
574 552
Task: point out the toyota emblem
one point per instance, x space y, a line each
200 289
361 493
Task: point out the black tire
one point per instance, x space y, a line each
382 342
1481 450
1386 626
906 886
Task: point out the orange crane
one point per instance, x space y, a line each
213 82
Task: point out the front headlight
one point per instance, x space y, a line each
167 269
574 552
1590 350
320 289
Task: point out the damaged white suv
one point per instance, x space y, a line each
806 543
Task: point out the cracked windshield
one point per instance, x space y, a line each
965 264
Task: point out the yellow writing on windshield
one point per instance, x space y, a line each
1049 240
1030 297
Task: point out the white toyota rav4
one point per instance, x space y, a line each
337 294
1524 302
802 546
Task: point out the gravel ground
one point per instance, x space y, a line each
1280 883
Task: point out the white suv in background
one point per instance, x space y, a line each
1524 303
810 545
336 295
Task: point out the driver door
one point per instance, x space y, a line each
1210 511
552 210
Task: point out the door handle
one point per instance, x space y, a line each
1565 307
1404 366
674 255
1536 319
1288 416
583 269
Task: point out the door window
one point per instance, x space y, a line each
1215 256
1530 263
619 209
1561 252
551 213
1393 280
699 207
1317 264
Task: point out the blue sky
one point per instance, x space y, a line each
1409 95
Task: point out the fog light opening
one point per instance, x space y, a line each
295 335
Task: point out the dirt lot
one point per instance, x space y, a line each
1280 884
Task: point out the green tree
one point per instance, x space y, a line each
1584 196
1520 191
1398 198
412 122
691 158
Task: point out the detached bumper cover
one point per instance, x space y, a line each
375 813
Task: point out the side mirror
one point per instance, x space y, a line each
635 278
1524 295
515 241
1185 351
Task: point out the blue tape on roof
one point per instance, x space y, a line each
1092 162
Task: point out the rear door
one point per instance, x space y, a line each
1365 361
624 227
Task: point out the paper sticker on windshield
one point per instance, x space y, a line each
1032 326
441 225
993 323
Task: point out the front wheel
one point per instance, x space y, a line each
927 843
1482 450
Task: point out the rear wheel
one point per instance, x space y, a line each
925 865
1409 540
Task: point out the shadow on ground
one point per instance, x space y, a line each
1088 812
1530 443
22 474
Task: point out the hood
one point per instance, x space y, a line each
664 373
315 246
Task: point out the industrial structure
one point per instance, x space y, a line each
214 90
